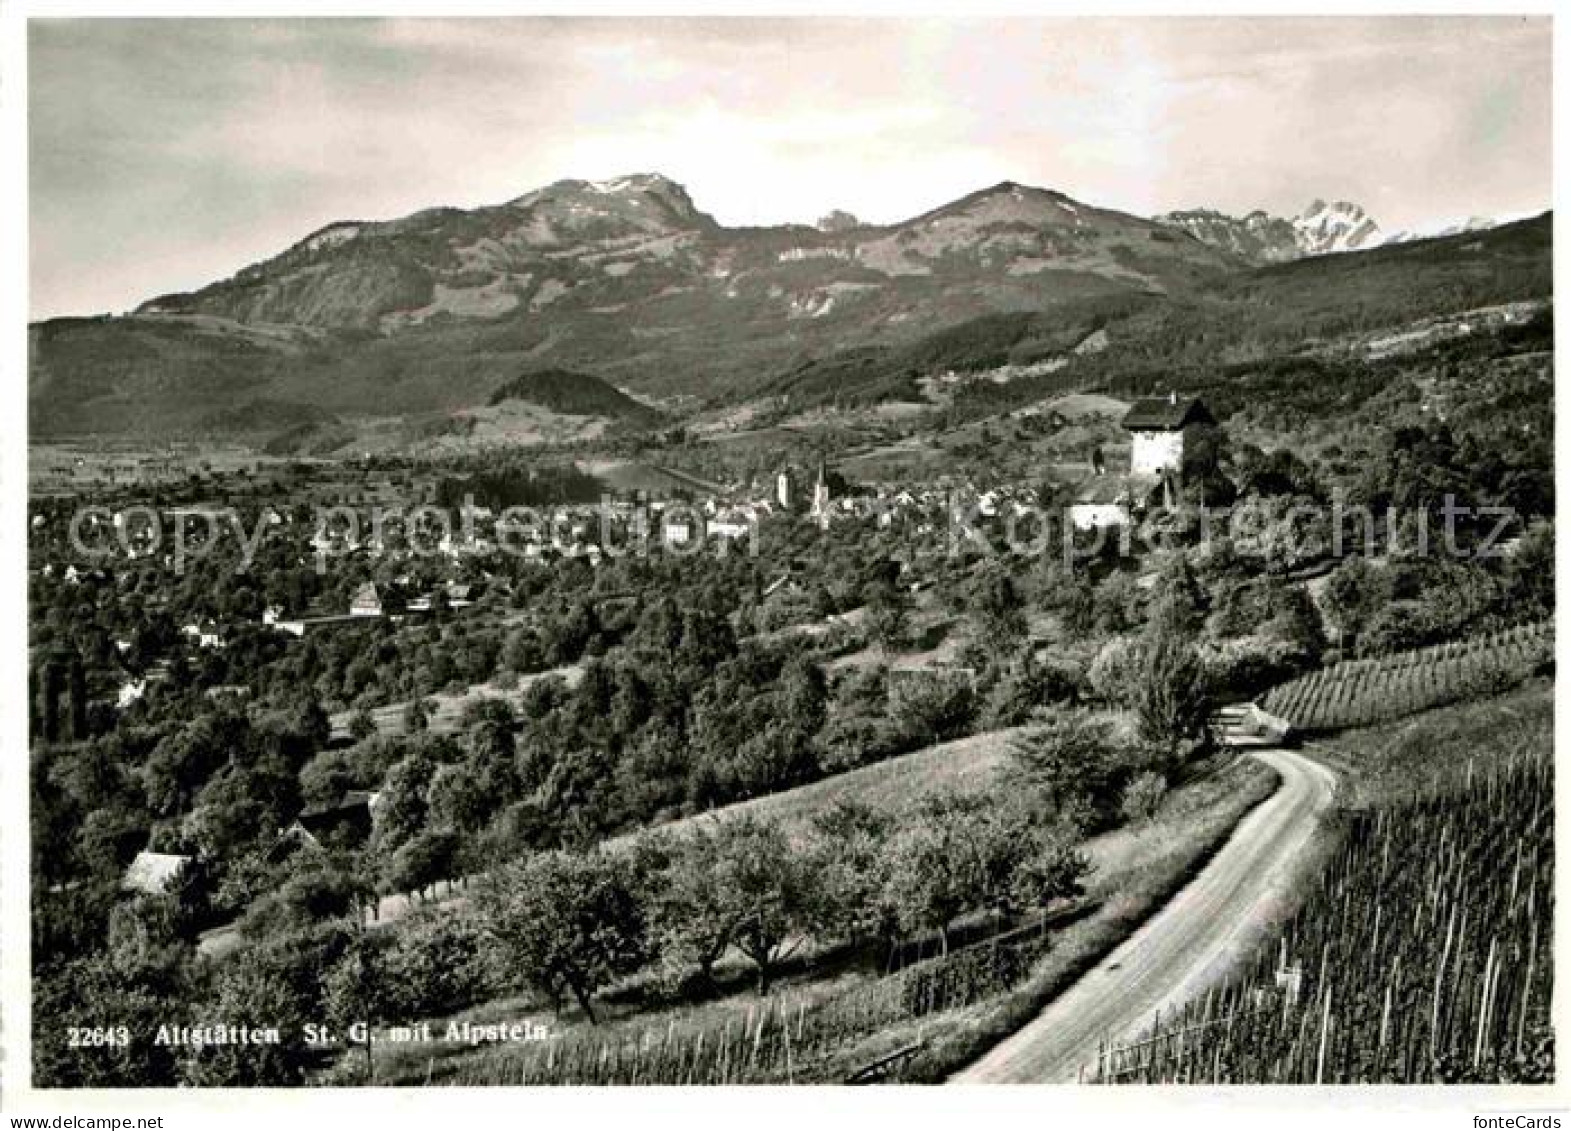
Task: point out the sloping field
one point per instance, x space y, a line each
965 761
1077 406
636 475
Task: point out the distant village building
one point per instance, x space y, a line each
129 692
784 496
154 873
828 485
347 818
676 530
1112 500
232 692
821 493
366 603
205 632
730 524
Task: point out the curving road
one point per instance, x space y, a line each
1183 948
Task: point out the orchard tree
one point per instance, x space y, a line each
421 861
1143 796
803 695
771 892
927 883
359 991
1072 769
1171 696
694 917
850 855
417 715
361 725
1114 672
1529 573
1354 593
459 801
403 811
996 605
569 921
276 984
1180 603
888 613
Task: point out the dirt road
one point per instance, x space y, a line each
1185 947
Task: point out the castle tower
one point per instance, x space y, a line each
1158 424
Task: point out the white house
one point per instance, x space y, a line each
1111 500
153 873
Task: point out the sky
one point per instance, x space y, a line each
166 154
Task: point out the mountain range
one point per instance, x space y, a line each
1259 237
1320 229
625 279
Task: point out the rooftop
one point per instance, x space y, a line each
152 872
1166 414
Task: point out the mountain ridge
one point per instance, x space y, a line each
626 280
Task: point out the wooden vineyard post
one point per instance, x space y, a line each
1325 1029
1485 1005
1527 983
1440 973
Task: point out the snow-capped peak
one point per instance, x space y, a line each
633 182
1320 229
1340 226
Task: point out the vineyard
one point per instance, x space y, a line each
1364 692
1424 955
770 1041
